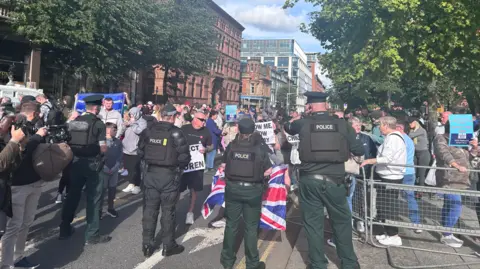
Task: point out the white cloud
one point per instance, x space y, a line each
269 18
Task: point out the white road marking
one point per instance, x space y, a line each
54 233
211 237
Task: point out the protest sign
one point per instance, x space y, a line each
231 113
461 130
198 160
292 139
118 100
266 130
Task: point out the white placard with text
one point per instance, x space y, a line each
266 130
198 159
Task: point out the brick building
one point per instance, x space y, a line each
317 85
256 83
223 80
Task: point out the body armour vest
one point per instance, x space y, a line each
323 140
82 142
244 162
159 148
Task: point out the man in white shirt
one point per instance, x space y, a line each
392 151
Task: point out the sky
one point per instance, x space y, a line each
266 19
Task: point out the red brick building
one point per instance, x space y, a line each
317 85
223 81
256 83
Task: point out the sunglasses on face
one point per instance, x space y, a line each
200 119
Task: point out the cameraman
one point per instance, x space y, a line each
26 190
9 152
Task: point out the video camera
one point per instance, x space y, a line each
58 134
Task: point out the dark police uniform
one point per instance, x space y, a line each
245 164
87 135
326 143
166 153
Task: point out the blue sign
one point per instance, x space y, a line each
461 130
118 100
231 113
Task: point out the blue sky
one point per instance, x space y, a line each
267 19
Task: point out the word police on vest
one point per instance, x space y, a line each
156 141
77 126
324 127
242 156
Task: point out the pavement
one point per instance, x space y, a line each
280 250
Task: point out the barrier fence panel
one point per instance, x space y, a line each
359 204
421 208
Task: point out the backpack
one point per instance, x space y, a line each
49 160
55 116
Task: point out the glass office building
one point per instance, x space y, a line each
287 56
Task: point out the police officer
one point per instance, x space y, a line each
166 153
88 143
326 143
246 165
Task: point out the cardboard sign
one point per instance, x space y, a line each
118 100
292 139
231 113
461 130
266 130
198 160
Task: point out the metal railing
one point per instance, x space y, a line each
4 12
438 210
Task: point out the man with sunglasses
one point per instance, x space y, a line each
196 133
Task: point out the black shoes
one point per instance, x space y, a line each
99 239
261 265
112 213
173 250
148 250
66 233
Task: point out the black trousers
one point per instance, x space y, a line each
387 206
154 198
132 164
64 183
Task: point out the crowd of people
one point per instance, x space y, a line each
391 143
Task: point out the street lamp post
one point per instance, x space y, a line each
288 100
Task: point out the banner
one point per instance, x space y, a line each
231 113
198 160
461 130
266 130
118 100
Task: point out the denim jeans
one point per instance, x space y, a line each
352 190
412 202
211 158
451 211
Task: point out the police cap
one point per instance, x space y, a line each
316 97
95 99
169 110
246 126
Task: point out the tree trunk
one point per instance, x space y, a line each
432 109
165 83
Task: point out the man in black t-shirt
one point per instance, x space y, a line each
196 133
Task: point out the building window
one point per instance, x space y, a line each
252 88
270 61
283 61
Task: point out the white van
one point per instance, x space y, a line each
15 91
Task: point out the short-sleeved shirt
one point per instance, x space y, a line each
194 136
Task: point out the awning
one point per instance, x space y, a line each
253 97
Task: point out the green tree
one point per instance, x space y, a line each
287 97
398 40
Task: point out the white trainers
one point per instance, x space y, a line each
360 227
331 243
219 224
451 241
189 220
59 199
129 188
136 190
391 241
418 231
381 237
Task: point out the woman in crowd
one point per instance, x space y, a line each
458 158
422 155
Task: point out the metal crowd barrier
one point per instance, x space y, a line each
396 205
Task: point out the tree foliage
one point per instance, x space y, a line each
286 97
410 43
105 39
